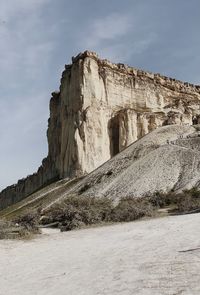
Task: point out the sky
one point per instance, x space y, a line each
38 37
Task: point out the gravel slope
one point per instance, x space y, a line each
165 159
143 258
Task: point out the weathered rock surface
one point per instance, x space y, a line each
166 159
100 109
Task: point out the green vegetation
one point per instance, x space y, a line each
130 209
22 228
185 202
79 211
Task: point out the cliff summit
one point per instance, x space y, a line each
99 110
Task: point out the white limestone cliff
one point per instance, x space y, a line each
105 107
100 109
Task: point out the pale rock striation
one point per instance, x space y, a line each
99 110
166 159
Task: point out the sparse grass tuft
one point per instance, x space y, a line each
12 230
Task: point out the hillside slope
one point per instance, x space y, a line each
166 159
98 111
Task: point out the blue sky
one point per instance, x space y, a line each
38 37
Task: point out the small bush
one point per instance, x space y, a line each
194 193
130 209
184 202
188 203
4 226
29 220
162 200
78 211
12 230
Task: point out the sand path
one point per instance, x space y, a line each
148 257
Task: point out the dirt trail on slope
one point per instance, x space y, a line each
150 257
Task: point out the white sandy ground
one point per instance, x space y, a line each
133 258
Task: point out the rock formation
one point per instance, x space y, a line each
100 109
166 159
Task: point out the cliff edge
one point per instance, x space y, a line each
99 110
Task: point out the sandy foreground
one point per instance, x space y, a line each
145 257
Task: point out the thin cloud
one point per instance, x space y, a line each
9 9
117 36
123 51
23 34
109 28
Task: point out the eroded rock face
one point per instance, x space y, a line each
100 109
166 159
110 106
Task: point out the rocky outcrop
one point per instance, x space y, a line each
99 110
104 107
166 159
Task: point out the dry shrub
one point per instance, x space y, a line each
130 209
188 204
77 211
184 202
161 200
4 227
12 230
29 221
